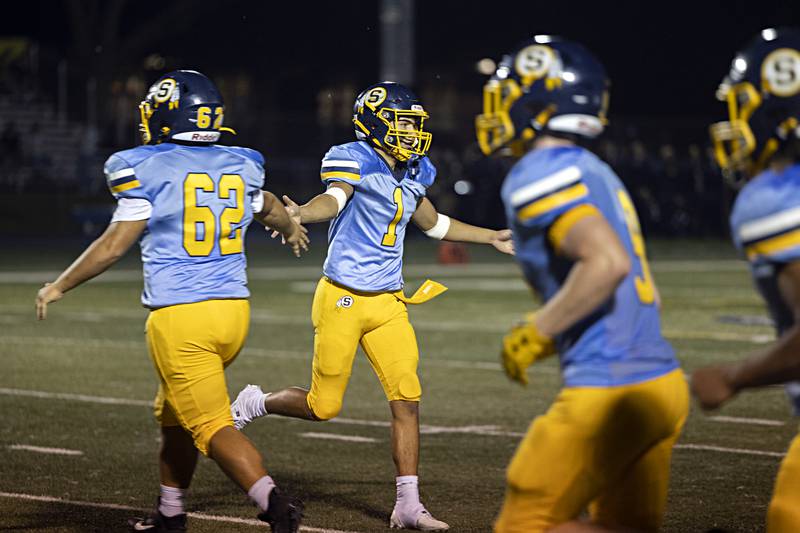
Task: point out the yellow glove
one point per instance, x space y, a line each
522 346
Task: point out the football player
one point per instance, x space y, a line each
375 186
760 141
606 441
190 200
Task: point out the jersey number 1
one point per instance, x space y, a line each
644 283
390 237
195 215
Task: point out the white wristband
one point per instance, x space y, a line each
339 195
257 202
439 230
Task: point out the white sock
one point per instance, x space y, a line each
407 492
260 491
171 501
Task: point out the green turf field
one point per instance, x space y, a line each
81 383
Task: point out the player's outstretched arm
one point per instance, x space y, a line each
97 258
281 219
325 206
779 363
438 226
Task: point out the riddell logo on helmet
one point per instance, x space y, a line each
204 137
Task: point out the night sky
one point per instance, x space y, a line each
664 58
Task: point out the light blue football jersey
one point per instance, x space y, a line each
365 241
621 342
765 224
193 246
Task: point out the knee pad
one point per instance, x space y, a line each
325 408
408 388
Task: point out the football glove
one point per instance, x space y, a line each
522 346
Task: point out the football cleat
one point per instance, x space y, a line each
245 407
284 512
377 113
158 523
424 521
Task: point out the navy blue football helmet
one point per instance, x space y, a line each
546 85
762 91
376 115
183 105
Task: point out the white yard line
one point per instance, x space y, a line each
741 451
413 270
424 428
42 449
720 336
259 316
336 436
75 397
116 507
255 352
474 285
743 420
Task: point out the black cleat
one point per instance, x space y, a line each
284 513
158 523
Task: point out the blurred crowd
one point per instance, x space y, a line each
675 185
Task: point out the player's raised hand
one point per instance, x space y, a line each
47 294
711 387
503 242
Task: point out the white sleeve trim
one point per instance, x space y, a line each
339 195
121 174
257 203
130 209
771 224
339 163
439 230
545 186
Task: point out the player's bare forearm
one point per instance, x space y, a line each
274 215
589 284
780 362
428 219
777 364
601 264
101 254
284 220
325 206
321 208
463 232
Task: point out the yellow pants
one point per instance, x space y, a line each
190 346
607 449
342 319
783 515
